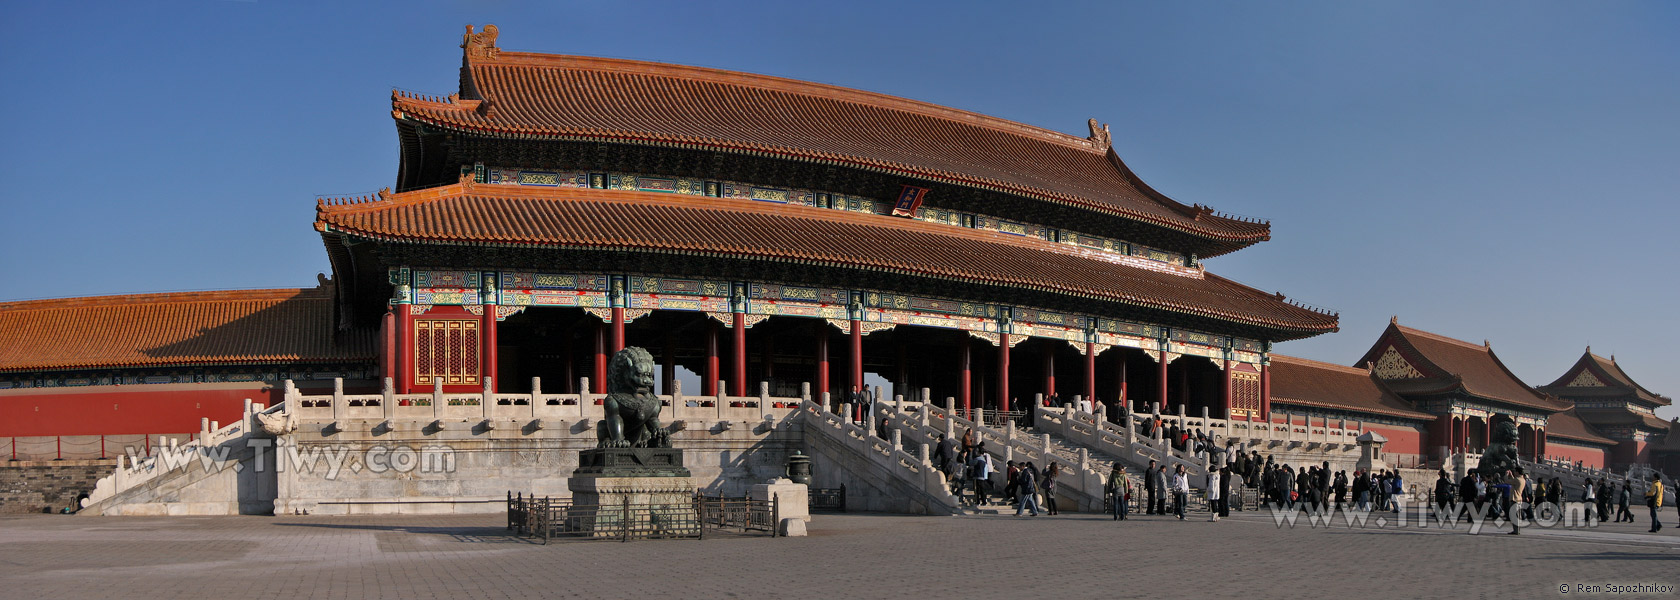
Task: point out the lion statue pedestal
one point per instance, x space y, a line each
633 477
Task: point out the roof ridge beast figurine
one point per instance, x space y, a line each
631 406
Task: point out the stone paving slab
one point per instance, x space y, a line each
850 555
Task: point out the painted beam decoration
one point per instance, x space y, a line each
513 291
908 204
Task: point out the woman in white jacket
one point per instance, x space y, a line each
1213 495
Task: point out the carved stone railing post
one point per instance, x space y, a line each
338 400
437 398
763 395
536 393
388 398
486 398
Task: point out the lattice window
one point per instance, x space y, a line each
446 350
1245 393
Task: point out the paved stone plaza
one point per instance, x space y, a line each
852 555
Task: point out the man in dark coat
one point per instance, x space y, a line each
1149 489
1224 491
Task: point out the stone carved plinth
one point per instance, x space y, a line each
651 482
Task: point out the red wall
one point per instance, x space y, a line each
96 410
1401 440
1592 457
1628 452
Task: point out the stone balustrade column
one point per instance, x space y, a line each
338 399
487 398
388 398
437 398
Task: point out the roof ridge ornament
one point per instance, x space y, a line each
481 45
1100 138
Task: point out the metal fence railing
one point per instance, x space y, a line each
547 518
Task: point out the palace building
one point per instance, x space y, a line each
757 229
760 231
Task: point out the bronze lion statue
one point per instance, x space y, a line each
1501 453
631 406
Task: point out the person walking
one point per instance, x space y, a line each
947 451
1213 496
1653 499
1225 491
1181 492
1025 482
1589 496
1443 492
1623 499
1149 488
1012 482
1117 489
1049 487
1513 502
982 465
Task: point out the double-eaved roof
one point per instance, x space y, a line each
530 96
648 223
245 327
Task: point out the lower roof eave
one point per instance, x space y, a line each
1285 332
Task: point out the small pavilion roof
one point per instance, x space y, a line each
275 326
531 96
1603 377
592 219
1445 364
1304 382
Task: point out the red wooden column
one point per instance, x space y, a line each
965 390
739 367
1540 437
1266 391
1003 371
822 362
405 349
489 353
1225 388
617 329
1452 434
388 344
1124 400
669 373
598 381
1091 374
1487 431
709 386
1049 374
856 352
1161 380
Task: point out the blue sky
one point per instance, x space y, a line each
1497 170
